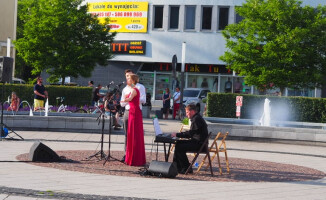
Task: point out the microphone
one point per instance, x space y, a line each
112 82
121 84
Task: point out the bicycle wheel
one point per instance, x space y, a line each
80 110
182 112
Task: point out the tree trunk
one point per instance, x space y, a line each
282 91
63 80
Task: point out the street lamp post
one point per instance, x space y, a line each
183 61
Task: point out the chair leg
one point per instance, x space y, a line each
192 163
212 158
210 162
202 163
227 162
219 162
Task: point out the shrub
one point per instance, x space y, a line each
282 108
74 95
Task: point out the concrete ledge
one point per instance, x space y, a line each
52 123
282 133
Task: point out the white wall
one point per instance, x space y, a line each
202 47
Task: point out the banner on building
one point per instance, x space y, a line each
133 47
124 16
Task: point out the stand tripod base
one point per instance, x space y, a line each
100 155
10 131
111 158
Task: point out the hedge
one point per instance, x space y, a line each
304 109
74 95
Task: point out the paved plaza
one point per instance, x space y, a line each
21 180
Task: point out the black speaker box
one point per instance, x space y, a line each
39 152
164 169
6 64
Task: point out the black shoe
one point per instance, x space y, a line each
123 159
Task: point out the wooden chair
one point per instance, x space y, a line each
202 150
216 149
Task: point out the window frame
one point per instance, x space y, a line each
202 17
219 17
236 15
154 17
169 25
185 18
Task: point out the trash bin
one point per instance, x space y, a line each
146 110
159 114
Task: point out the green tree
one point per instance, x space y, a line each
60 37
279 43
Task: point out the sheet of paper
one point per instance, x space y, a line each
157 127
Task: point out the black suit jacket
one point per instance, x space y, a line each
198 129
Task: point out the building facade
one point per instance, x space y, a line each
148 47
8 24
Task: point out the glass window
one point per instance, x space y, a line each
174 17
206 23
190 17
203 93
223 19
147 80
201 81
190 93
162 81
301 92
238 18
158 16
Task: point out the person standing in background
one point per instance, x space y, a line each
204 84
228 86
91 84
237 86
166 102
97 95
40 94
176 101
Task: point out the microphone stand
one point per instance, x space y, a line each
109 157
100 155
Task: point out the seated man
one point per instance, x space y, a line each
197 134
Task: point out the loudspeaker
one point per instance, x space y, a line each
6 64
164 169
39 152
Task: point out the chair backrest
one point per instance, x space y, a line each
221 136
203 147
205 144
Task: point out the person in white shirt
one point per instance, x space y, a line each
176 101
125 92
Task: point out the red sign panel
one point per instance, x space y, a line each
238 101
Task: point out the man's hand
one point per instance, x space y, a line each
173 134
